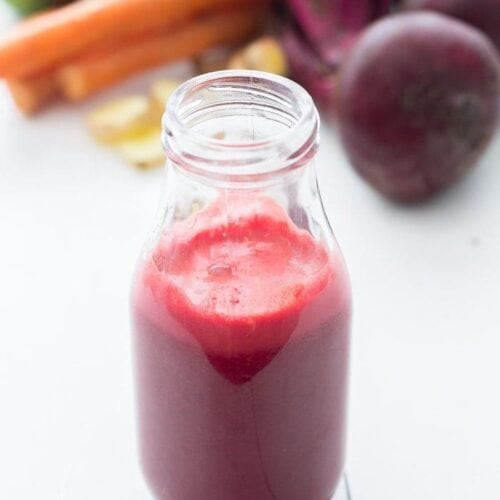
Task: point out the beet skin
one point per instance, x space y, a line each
483 14
418 102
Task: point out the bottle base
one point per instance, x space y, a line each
343 492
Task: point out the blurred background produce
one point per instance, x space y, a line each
132 124
483 14
318 35
418 102
265 54
87 46
416 98
29 6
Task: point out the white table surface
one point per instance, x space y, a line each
425 410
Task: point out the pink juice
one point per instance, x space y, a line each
242 344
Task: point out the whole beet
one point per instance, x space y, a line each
417 100
310 70
328 26
483 14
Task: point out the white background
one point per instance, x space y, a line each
425 410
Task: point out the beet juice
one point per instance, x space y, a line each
241 303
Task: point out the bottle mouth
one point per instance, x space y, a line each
239 125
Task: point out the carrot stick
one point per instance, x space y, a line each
97 71
33 93
45 40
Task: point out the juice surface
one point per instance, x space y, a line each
242 340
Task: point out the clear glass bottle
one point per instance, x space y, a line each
241 302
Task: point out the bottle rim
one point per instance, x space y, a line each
235 93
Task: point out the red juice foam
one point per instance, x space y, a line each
242 344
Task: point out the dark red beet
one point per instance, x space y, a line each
319 35
418 102
329 25
310 71
483 14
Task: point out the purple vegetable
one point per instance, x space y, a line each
330 25
483 14
310 71
320 35
418 102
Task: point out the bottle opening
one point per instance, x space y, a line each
237 125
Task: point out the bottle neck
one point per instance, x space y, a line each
240 128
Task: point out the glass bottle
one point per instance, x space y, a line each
241 302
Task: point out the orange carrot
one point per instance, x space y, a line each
33 93
45 40
99 70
